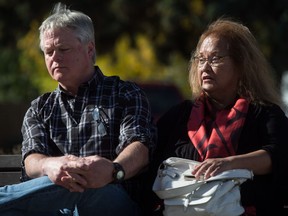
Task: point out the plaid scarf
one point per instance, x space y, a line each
217 136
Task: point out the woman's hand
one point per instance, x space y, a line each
211 167
259 162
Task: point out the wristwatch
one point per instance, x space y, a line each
118 173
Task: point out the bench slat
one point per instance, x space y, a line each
11 162
9 178
10 169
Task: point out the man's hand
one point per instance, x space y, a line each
55 168
96 170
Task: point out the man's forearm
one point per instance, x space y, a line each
34 165
133 158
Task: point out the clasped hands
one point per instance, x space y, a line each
79 173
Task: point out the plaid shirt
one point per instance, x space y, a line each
106 115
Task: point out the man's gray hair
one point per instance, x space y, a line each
62 17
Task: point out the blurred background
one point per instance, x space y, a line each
146 41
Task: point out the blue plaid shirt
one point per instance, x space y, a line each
106 115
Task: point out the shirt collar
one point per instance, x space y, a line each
91 84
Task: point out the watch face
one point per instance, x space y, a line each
120 175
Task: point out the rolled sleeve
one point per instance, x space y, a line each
137 124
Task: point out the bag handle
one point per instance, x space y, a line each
177 191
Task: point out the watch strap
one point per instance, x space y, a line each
118 173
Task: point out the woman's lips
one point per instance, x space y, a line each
206 78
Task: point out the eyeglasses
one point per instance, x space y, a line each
213 61
98 116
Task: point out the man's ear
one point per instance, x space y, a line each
91 49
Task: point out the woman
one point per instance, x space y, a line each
234 120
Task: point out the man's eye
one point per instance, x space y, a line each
49 53
64 49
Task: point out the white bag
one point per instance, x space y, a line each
184 195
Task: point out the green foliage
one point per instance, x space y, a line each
138 40
32 61
14 85
140 64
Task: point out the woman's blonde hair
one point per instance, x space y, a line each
256 82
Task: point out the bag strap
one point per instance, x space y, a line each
233 174
177 191
228 174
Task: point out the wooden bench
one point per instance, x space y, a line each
10 169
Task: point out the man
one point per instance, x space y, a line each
83 142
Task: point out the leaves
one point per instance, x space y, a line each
144 40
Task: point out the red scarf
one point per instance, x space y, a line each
219 136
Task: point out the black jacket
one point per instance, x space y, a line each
265 128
